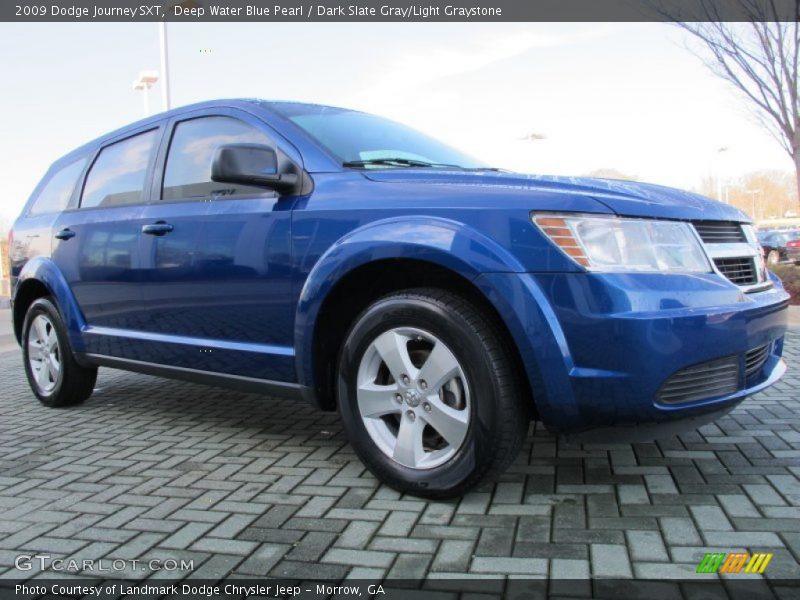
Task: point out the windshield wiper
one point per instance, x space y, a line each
401 162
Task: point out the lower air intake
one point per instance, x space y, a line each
755 359
700 382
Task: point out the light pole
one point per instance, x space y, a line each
144 83
162 36
718 155
753 194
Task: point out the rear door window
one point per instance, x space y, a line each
55 195
117 177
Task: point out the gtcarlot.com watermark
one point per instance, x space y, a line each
44 562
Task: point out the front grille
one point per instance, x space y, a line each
720 232
700 382
755 359
741 271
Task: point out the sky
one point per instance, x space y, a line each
629 96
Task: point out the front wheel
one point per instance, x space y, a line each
429 395
53 374
774 257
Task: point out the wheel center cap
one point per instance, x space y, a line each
412 397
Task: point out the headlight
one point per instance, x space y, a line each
614 244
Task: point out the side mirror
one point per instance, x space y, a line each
251 164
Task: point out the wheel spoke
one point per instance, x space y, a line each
43 374
33 348
408 450
439 368
53 365
52 340
393 350
377 400
450 423
40 325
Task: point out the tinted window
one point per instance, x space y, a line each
117 176
188 171
55 195
355 136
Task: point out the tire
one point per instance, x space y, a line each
774 257
466 425
56 379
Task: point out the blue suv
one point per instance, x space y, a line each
438 304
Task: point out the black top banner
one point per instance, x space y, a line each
399 10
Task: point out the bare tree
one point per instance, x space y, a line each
758 56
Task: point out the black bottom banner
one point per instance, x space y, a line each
433 589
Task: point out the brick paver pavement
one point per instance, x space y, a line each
247 485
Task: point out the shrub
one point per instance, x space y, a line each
790 275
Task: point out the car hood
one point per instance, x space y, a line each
626 198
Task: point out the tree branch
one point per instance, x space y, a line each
760 60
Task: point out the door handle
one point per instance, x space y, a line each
157 228
65 234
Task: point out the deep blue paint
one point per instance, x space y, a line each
247 278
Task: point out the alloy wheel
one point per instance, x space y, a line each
413 397
44 353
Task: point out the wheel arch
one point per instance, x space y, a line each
41 277
379 259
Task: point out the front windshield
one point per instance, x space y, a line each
361 140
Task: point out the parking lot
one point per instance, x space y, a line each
254 486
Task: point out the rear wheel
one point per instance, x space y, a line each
53 374
774 257
428 394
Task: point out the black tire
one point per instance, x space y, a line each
499 410
74 383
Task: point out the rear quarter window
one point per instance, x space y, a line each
56 193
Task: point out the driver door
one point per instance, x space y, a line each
216 277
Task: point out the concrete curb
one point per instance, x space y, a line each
794 317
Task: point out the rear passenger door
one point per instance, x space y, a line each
33 230
217 280
96 243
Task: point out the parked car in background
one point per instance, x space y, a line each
793 251
774 244
438 304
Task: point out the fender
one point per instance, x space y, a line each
443 242
540 341
46 272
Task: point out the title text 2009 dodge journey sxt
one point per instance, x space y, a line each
439 304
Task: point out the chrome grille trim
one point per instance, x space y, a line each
700 382
741 271
720 232
735 253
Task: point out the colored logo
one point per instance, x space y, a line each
720 562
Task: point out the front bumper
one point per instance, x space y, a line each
599 347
